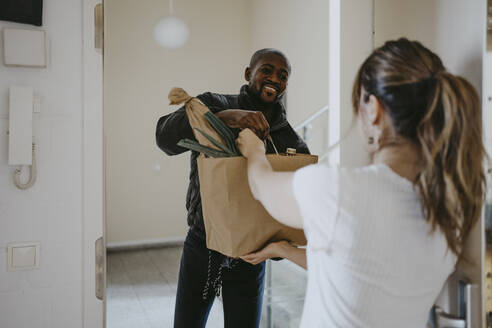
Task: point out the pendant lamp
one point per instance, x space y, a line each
171 32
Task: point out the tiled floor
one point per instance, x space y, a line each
142 288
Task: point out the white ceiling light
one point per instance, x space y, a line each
171 32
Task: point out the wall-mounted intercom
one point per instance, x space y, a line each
23 48
21 142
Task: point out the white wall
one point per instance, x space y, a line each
300 29
143 204
49 212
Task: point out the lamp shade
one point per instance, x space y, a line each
171 32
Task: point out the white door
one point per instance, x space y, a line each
456 31
93 223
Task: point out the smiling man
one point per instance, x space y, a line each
203 273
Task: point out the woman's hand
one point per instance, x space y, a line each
249 144
277 249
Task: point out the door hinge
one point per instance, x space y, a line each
100 272
99 26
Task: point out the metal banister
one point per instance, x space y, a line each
304 126
312 118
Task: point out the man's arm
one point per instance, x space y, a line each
173 127
301 147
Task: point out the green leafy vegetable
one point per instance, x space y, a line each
193 145
228 150
224 131
216 143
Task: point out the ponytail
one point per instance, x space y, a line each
452 182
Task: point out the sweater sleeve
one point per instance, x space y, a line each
316 189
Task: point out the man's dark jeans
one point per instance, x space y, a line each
242 290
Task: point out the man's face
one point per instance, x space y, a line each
268 78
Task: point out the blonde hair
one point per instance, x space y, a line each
440 113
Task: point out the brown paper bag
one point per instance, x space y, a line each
195 110
236 224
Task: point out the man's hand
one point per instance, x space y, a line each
242 119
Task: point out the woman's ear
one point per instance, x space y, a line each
374 110
247 74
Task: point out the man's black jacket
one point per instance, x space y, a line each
175 126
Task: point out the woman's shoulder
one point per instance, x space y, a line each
320 171
370 176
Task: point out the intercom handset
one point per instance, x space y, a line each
22 148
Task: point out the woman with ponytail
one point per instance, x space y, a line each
383 239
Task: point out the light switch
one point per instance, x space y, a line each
23 256
23 47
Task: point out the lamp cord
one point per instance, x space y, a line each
32 173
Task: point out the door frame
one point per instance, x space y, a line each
93 136
92 168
